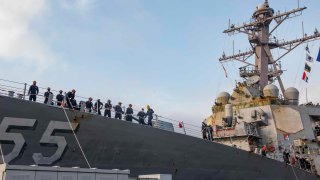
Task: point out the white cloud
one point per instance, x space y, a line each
82 4
79 5
18 43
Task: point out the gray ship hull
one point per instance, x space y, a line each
114 144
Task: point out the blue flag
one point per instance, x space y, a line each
307 68
318 58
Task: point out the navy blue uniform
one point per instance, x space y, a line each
107 111
119 112
142 115
89 105
150 116
74 104
98 106
33 92
70 98
204 131
129 113
46 97
59 98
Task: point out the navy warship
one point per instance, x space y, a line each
37 135
258 116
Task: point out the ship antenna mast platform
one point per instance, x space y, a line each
259 33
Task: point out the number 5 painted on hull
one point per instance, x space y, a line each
48 139
16 138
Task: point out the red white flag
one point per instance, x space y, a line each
305 77
180 124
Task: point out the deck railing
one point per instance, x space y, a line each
20 90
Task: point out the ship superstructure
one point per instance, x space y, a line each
256 114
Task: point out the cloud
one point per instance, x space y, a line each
78 5
82 4
19 44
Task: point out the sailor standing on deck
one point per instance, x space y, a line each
118 111
33 91
108 107
70 98
129 113
47 95
75 104
98 106
59 98
150 115
142 115
204 130
89 105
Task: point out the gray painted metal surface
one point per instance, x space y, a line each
19 172
110 143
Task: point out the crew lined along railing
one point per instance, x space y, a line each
20 90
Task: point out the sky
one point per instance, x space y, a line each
158 52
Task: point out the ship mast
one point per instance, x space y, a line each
259 33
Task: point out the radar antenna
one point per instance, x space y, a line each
259 34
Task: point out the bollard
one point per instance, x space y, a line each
24 90
11 93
